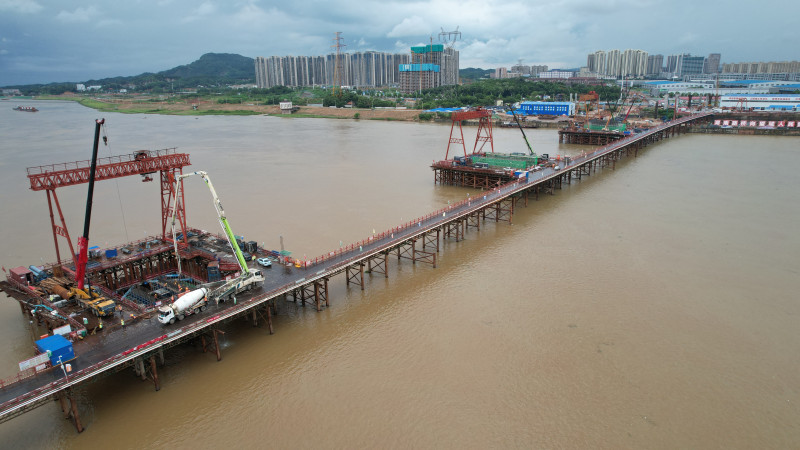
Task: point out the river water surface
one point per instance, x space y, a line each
650 306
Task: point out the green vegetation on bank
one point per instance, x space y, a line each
484 92
154 109
226 79
509 90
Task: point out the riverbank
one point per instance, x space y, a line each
204 108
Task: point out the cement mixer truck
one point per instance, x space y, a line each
185 305
248 278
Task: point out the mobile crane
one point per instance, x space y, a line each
98 304
530 150
83 241
248 278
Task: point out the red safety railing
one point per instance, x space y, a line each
424 219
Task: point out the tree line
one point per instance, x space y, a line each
509 90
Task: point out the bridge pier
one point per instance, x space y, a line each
502 209
381 263
206 347
307 292
269 318
62 399
321 293
408 250
76 419
427 239
154 371
356 275
451 228
69 407
138 367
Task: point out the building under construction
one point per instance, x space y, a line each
431 66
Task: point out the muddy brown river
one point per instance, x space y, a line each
650 306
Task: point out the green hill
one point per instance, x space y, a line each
472 74
212 69
222 65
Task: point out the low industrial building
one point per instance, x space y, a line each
759 102
705 87
547 108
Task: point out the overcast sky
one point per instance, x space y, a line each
44 41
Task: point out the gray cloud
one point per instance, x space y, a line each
71 40
79 15
20 6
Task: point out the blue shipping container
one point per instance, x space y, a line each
58 346
111 253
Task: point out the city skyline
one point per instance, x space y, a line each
43 41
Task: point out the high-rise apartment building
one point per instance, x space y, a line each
689 65
762 67
613 63
655 64
634 63
712 63
596 62
616 63
672 63
360 69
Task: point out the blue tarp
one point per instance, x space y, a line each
444 110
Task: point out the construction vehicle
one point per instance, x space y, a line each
100 307
634 97
92 299
89 297
248 278
186 305
83 241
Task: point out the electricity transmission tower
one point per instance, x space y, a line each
338 72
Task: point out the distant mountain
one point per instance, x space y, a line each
223 65
212 69
471 73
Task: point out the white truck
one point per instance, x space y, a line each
185 305
249 280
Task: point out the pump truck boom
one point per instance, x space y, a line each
248 278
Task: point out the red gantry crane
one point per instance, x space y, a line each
145 163
484 126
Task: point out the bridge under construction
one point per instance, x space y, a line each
306 281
